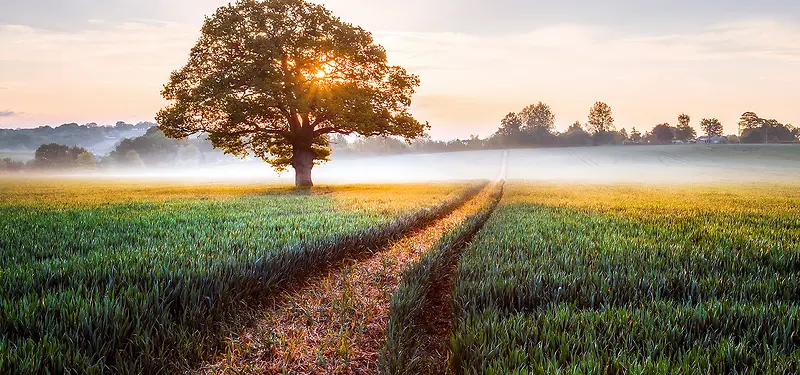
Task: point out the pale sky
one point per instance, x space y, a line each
102 61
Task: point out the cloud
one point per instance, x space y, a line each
77 15
469 80
128 43
8 113
754 39
717 71
592 45
90 75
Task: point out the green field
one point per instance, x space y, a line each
109 277
632 280
576 270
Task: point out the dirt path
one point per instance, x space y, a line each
437 323
335 323
437 326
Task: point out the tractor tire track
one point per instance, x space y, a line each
438 322
589 162
334 322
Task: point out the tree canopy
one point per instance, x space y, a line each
663 133
153 149
600 118
510 126
576 136
711 126
91 136
274 77
684 131
636 136
749 121
537 116
533 125
754 129
54 155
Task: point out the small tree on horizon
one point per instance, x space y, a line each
510 131
663 133
711 126
636 136
601 123
54 155
274 78
749 121
537 116
684 131
600 118
510 126
575 136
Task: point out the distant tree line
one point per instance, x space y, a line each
341 146
533 126
56 156
754 129
153 149
88 136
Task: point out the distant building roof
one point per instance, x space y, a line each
714 139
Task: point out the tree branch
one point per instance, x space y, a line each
332 129
318 120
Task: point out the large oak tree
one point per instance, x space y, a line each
275 77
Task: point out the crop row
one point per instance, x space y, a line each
659 338
144 287
606 288
403 352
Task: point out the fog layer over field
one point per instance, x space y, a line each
628 164
659 164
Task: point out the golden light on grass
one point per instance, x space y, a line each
86 192
335 323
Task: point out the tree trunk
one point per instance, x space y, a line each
302 162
